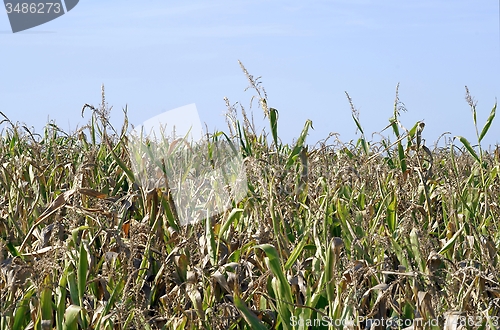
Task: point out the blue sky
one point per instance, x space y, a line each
159 55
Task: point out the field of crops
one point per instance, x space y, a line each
360 234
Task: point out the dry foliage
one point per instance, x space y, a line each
358 234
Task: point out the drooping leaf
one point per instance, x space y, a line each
469 148
71 317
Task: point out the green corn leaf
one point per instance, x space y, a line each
296 253
358 124
61 298
364 145
391 213
299 144
402 157
467 145
280 283
230 142
348 153
123 166
451 241
129 320
73 288
83 267
211 247
247 143
46 299
273 118
415 247
241 137
474 115
413 130
234 215
402 257
117 290
411 135
21 314
71 317
273 261
247 314
12 249
329 273
394 125
488 123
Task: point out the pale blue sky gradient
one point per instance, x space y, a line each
159 55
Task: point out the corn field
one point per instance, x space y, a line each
333 235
